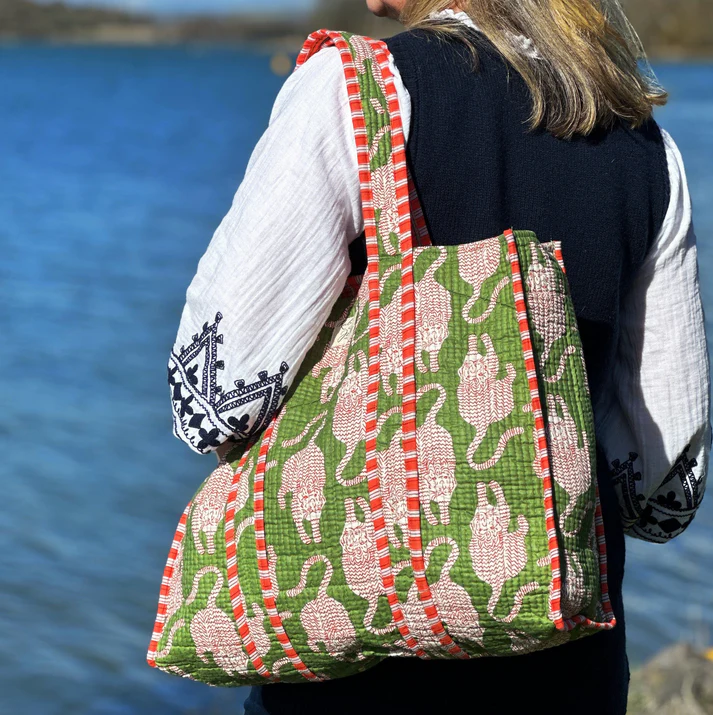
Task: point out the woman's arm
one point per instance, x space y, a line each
656 431
275 266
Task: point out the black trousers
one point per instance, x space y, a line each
588 676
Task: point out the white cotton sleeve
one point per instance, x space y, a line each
275 266
655 430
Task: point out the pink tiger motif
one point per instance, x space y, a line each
214 631
391 339
570 463
436 461
384 188
349 421
392 472
363 51
453 602
360 561
335 357
477 262
210 502
483 399
324 619
433 313
498 555
304 475
546 302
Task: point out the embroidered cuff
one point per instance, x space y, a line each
205 414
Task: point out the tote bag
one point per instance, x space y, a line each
428 488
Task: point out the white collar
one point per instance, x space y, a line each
453 15
524 44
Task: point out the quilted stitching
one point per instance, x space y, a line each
410 498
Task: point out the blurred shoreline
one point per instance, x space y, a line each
677 681
670 29
58 23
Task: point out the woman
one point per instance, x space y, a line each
533 115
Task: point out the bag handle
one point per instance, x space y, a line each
386 189
385 184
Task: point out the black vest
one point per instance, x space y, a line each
479 169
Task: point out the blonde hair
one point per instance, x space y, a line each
589 69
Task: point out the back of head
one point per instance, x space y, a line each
585 68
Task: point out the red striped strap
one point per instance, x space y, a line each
404 190
379 54
315 42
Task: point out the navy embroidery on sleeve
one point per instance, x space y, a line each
670 511
626 482
205 414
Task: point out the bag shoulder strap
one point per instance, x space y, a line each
386 190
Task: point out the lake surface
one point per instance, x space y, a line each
116 165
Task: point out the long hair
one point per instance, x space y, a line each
588 68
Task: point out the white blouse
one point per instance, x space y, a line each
279 260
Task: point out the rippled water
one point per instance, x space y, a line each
115 167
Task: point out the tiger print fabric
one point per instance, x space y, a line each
427 489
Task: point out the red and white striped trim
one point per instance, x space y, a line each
408 323
166 588
317 41
314 44
541 445
603 569
543 451
268 595
237 599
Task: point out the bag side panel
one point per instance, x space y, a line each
483 516
570 427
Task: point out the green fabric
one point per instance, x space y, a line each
463 358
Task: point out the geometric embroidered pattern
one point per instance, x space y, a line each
626 479
201 405
428 488
672 508
669 511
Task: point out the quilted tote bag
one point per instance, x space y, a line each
427 488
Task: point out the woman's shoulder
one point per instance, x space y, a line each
421 43
322 69
314 93
678 206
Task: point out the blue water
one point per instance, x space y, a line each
116 165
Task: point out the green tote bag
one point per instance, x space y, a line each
428 488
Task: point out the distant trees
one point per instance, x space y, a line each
351 15
24 18
666 27
673 27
